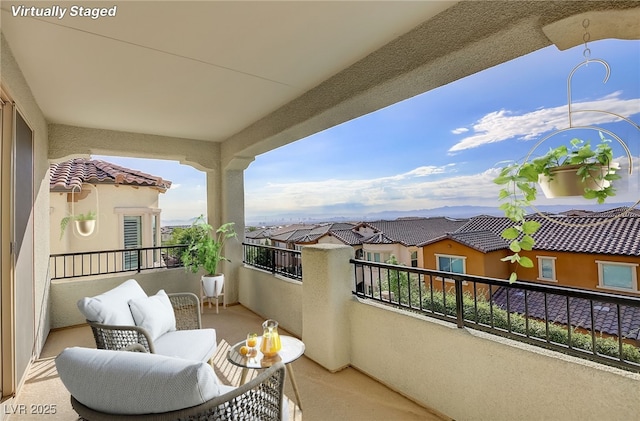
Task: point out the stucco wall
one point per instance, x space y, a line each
66 293
572 269
470 375
575 269
109 230
273 297
462 373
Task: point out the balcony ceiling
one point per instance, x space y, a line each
244 71
201 70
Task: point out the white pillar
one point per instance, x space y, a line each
233 211
327 282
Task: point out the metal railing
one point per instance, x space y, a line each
593 325
284 262
103 262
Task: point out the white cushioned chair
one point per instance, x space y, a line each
165 324
116 385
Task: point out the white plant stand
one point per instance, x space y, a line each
212 288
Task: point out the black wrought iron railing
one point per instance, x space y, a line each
103 262
276 260
592 325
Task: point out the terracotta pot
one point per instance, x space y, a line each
564 181
86 228
212 285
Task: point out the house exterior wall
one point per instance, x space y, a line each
113 203
476 263
578 270
386 250
329 239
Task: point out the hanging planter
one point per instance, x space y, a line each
565 181
567 170
85 224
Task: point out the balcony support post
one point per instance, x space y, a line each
326 292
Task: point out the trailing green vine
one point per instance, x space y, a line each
520 183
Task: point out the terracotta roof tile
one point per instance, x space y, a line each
577 234
413 231
605 314
259 233
65 176
484 241
347 236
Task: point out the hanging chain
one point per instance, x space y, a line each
586 38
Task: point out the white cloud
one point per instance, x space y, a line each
460 130
406 192
502 125
414 189
175 186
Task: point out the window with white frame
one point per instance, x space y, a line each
547 268
617 275
414 259
132 240
447 263
378 257
139 228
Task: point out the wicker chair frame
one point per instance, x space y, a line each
186 307
260 399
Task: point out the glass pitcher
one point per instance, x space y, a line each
270 344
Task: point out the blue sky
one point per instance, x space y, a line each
441 148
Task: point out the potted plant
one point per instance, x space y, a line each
85 223
563 171
204 251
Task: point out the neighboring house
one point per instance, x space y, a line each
402 238
379 240
594 252
259 236
345 235
284 237
125 200
589 250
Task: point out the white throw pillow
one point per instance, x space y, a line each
112 307
122 382
154 313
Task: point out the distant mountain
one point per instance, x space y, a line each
448 211
177 222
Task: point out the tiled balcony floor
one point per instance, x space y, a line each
346 395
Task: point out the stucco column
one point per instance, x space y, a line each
328 280
233 211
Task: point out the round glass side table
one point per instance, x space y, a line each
292 349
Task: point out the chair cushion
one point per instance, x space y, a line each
112 307
154 313
196 345
121 382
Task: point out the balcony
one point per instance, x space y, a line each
366 352
345 395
